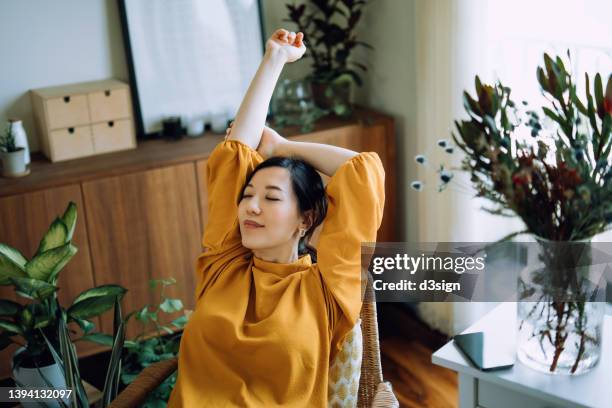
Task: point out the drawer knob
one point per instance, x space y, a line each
107 92
66 99
111 124
70 130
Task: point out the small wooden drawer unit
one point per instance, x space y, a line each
84 119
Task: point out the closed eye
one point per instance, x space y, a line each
269 198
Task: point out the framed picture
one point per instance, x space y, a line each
189 58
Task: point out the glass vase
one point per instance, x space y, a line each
561 308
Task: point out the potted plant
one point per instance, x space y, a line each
551 167
144 349
12 156
47 357
329 32
151 346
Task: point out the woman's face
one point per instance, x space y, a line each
270 201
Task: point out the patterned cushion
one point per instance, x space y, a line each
345 371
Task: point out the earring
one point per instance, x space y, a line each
302 232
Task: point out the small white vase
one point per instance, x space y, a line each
31 377
21 138
13 163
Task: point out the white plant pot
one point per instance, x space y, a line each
13 163
30 377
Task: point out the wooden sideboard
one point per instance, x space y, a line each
141 213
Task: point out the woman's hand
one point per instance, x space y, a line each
269 144
287 44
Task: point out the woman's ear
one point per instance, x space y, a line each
307 220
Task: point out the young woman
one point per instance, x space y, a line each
271 311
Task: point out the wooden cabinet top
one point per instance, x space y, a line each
151 154
79 88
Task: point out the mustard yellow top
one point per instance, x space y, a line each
263 333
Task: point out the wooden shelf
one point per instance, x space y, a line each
149 154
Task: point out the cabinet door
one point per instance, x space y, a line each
23 221
379 138
145 226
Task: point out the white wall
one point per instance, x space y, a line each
46 43
390 86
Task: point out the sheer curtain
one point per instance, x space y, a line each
458 39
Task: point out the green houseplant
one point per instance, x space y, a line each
151 346
13 157
557 179
329 32
143 351
42 323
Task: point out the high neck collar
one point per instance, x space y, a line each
301 264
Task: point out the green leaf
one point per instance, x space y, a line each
27 319
14 255
171 305
10 327
99 338
128 378
9 308
130 344
180 322
85 325
553 115
11 264
103 290
33 288
113 374
355 76
41 321
54 237
91 307
68 353
341 109
164 282
47 265
542 79
491 123
143 314
599 96
70 218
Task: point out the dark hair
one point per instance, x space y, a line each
309 190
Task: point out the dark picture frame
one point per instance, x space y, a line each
153 94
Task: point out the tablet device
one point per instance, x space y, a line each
486 351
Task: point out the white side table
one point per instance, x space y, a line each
520 386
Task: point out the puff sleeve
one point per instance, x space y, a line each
356 198
227 168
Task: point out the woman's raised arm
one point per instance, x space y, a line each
323 157
282 47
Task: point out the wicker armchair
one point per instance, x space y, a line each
371 371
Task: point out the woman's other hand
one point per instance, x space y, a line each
287 44
269 144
